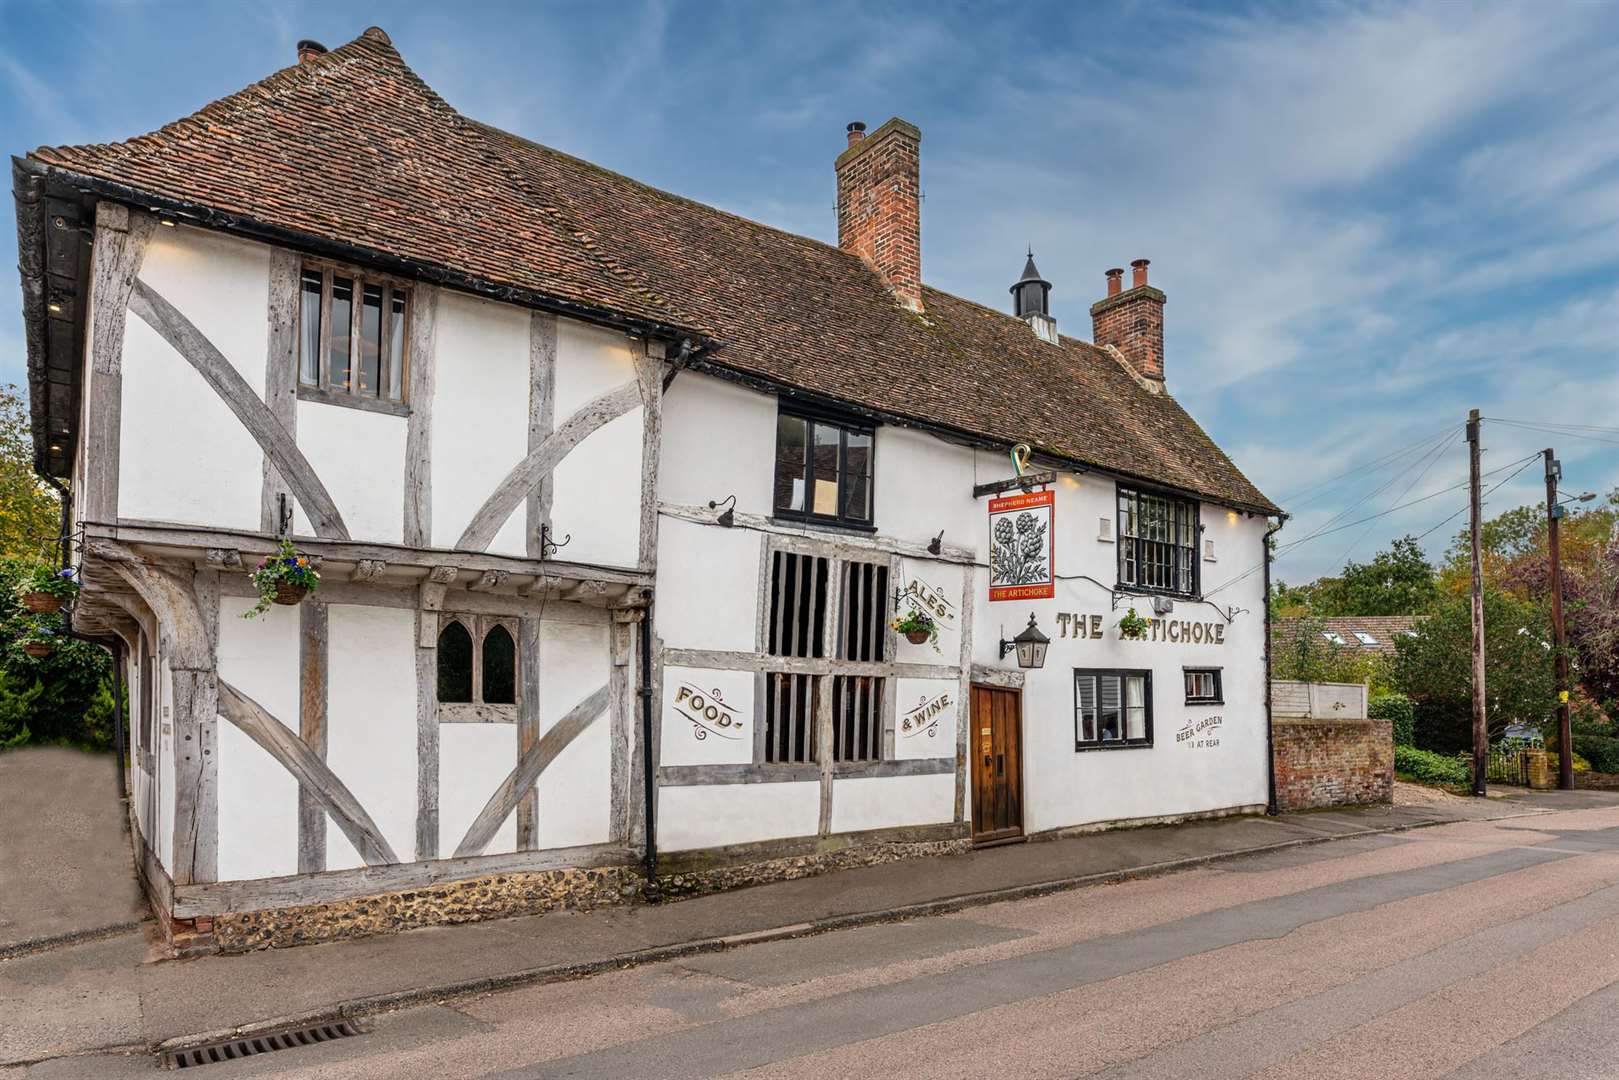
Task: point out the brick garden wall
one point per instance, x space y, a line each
1333 762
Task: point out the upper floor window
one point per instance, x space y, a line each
1157 543
477 661
353 338
823 470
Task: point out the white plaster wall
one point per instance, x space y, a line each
596 490
596 494
925 720
885 802
708 717
184 455
703 816
934 588
707 586
924 484
258 798
719 439
371 722
473 759
575 791
1063 787
480 413
360 457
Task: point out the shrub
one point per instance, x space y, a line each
1444 727
1601 751
69 680
1426 767
1401 711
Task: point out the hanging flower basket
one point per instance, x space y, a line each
38 649
41 603
1132 627
283 578
289 594
917 626
43 590
38 638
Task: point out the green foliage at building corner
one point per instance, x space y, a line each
1401 711
65 697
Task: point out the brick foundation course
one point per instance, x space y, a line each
1333 762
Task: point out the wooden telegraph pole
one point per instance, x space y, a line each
1554 559
1481 735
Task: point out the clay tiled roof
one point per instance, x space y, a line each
353 148
1383 629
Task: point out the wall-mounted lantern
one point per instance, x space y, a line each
727 516
1030 646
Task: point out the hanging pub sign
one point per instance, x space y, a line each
1022 547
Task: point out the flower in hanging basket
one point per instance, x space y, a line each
918 627
285 577
44 589
38 640
1132 626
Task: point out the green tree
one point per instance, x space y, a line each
30 513
1399 581
62 707
1434 667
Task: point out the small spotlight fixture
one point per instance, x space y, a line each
727 516
936 545
1030 646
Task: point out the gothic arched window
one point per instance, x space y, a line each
454 663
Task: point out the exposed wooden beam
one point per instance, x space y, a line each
542 378
280 376
422 378
278 445
312 774
540 462
528 770
312 698
121 239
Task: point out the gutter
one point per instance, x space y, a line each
1271 808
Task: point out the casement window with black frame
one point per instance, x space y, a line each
1112 709
823 469
806 590
1158 540
353 339
1203 686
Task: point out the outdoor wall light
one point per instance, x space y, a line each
936 545
728 515
1030 646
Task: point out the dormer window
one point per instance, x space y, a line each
824 469
353 339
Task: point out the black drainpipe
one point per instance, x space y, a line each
650 769
112 643
1270 733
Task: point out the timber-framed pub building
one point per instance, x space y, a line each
650 537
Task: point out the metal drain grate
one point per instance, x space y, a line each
249 1045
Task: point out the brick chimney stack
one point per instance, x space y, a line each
880 205
1132 320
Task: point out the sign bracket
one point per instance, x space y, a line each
1027 483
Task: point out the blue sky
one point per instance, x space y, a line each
1368 218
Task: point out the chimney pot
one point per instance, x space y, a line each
308 49
1133 322
857 131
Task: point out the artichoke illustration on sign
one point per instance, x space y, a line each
1021 547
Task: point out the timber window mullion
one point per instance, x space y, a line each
326 327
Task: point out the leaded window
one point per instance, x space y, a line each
477 661
353 338
1112 709
1157 543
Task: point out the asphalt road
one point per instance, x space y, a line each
1484 949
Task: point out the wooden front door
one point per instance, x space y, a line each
997 751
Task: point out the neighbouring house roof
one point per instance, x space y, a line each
1383 630
351 148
